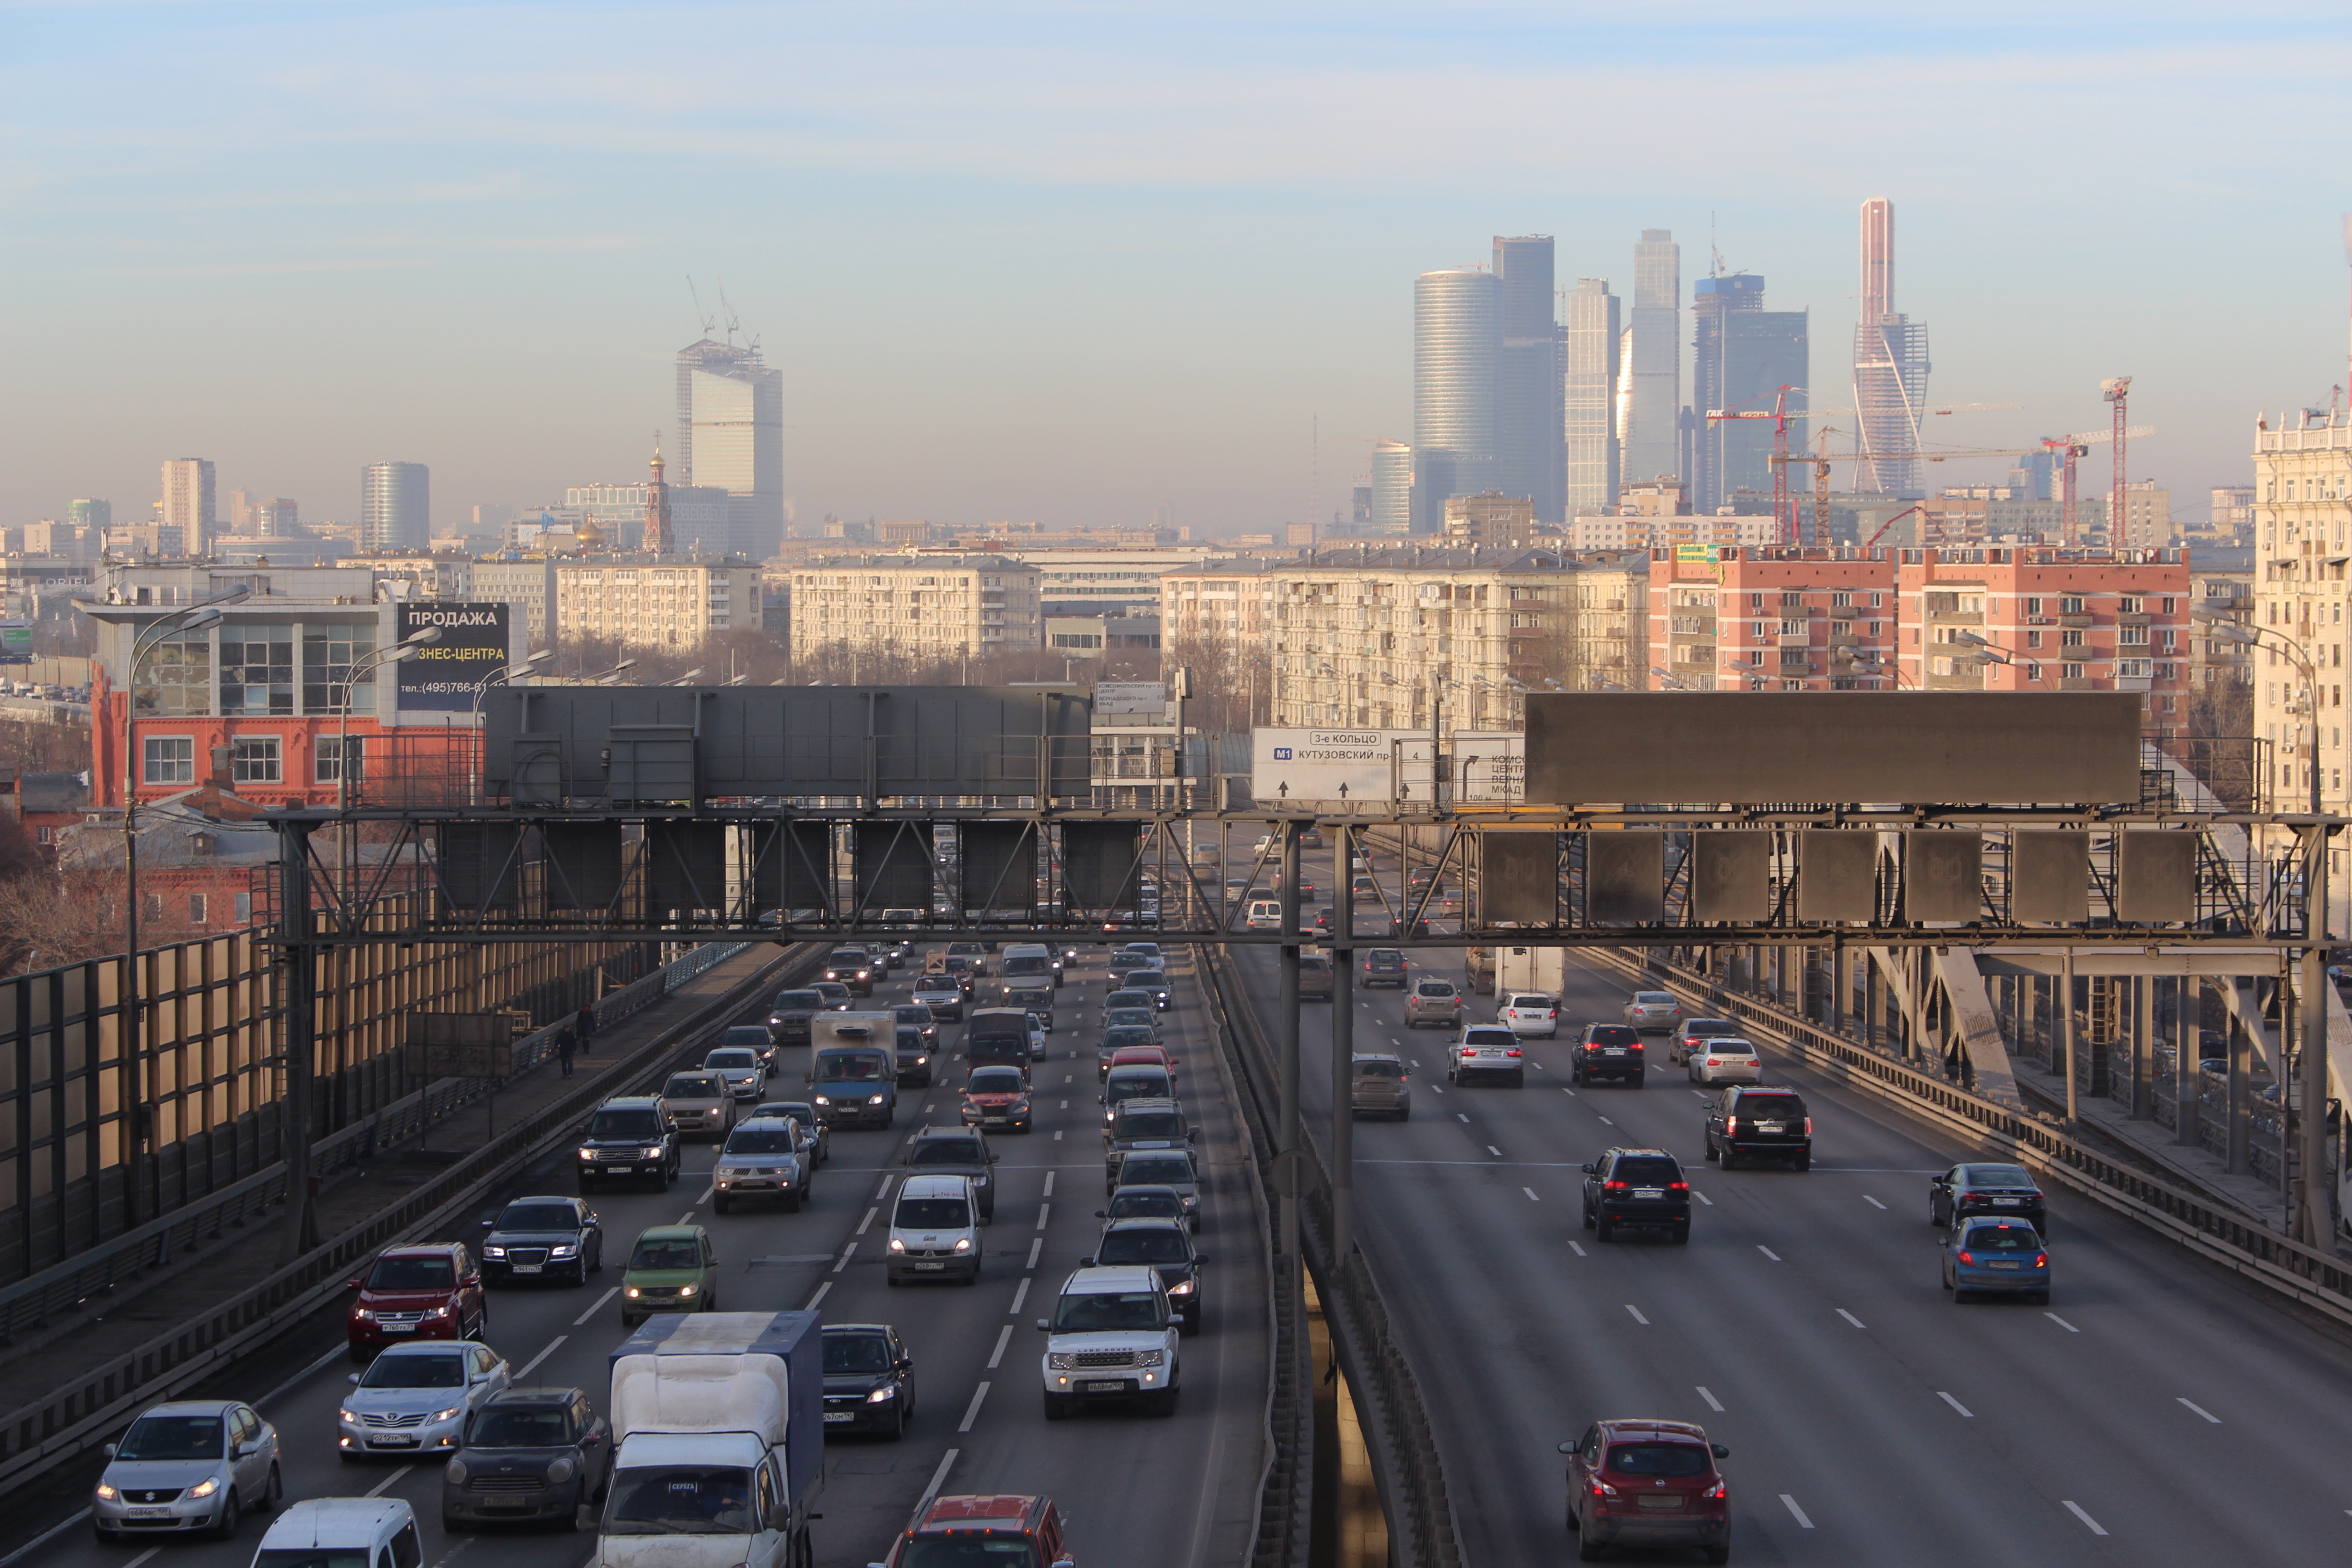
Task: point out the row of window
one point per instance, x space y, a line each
252 758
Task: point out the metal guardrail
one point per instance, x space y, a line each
69 1420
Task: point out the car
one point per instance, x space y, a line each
1029 961
672 1268
1145 1017
701 1100
1678 1043
1636 1189
915 1016
934 1231
1745 1123
544 1238
1130 956
956 1152
1136 1080
1379 1086
1609 1051
1122 997
853 967
1112 1336
752 1036
773 1158
1236 889
1032 996
1038 1050
1156 1056
789 1014
1433 1002
1164 1246
1323 921
869 1381
409 1293
1362 889
186 1466
1152 984
837 996
855 1082
1725 1060
1176 1168
1486 1051
902 917
1382 966
942 994
415 1399
1262 914
1144 1122
1647 1483
740 1068
976 952
1314 977
630 1136
802 1112
529 1455
2008 1190
1016 1530
1310 838
997 1096
1530 1015
1141 1200
1119 1037
913 1056
1652 1012
1996 1257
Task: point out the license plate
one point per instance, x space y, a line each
2007 1203
398 1328
2004 1265
147 1512
929 1265
1613 1050
1105 1388
392 1442
527 1268
1765 1126
1649 1191
831 1415
1660 1502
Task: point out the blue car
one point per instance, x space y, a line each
1996 1257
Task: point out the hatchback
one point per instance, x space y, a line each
1381 1086
1314 977
1647 1483
1996 1257
701 1100
1533 1013
1486 1051
1608 1050
741 1069
1433 1002
869 1380
1724 1061
1636 1189
671 1270
1654 1012
2005 1191
997 1097
530 1454
1760 1123
941 996
187 1465
753 1037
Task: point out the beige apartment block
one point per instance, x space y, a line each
2302 542
667 601
1231 603
1489 518
921 606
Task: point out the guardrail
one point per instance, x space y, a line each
68 1421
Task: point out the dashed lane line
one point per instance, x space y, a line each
1035 1248
1464 1120
1003 1338
2062 1322
938 1479
1578 1248
2092 1525
2202 1411
1020 1294
1768 1252
1044 1211
1606 1122
810 1305
867 1221
532 1364
1804 1523
972 1411
1702 1197
1049 1182
1849 1317
883 1191
1637 1314
1712 1401
844 1260
401 1474
1956 1405
1873 1203
1495 1152
1531 1195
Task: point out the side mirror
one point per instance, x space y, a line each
355 1377
108 1450
246 1450
1719 1451
1568 1448
1943 1241
1065 1562
1192 1135
590 1440
470 1280
350 1284
1043 1328
1200 1258
1102 1214
1587 1169
1086 1262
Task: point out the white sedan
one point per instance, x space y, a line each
1530 1014
1724 1061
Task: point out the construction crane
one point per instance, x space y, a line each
2116 389
2079 444
1821 461
1918 506
1784 520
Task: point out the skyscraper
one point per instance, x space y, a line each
1890 367
396 507
730 427
1589 398
188 503
1456 337
1714 302
1530 451
1650 439
1393 488
85 512
1742 354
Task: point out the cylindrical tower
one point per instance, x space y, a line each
1392 488
1456 336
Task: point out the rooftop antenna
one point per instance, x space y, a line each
709 323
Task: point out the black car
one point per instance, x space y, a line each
529 1455
869 1380
1152 983
1752 1121
854 967
914 1016
544 1238
956 1152
1161 1243
836 995
1608 1050
2008 1190
630 1136
750 1037
789 1016
914 1059
1641 1189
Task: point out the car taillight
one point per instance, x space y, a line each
1619 1187
1513 1053
1731 1126
1637 1046
2042 1261
1469 1050
1809 1127
1603 1489
1713 1494
1967 1259
1677 1186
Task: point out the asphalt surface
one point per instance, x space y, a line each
1134 1489
2157 1411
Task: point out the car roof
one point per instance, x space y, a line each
1105 1278
935 1187
1148 1187
1008 1508
1992 1165
632 1102
656 1233
1146 1222
1378 1056
758 1120
535 1395
426 1347
433 1249
1651 1426
1146 1102
191 1408
544 1198
1660 1153
857 1329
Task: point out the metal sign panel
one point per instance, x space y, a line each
458 1045
651 764
791 866
1943 876
1490 768
444 675
478 864
1339 767
1626 877
1753 748
999 865
892 863
686 866
1122 698
1731 876
2156 877
1837 875
1520 883
2050 878
584 864
1100 861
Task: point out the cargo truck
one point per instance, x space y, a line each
719 1427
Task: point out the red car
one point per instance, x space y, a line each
417 1293
1148 1056
1017 1531
1647 1483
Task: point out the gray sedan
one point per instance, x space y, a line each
187 1465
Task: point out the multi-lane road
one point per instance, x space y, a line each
2157 1411
1136 1490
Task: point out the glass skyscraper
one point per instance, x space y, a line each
1392 488
1456 336
396 507
1651 437
1588 397
730 437
1530 459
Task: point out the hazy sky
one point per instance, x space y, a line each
1074 261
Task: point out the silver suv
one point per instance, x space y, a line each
1380 1087
1433 1002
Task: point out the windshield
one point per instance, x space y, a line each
1030 964
1171 1170
1131 1018
848 958
2004 1238
1380 1069
411 1274
1658 1460
798 1002
848 1066
1652 1171
945 1151
731 1059
933 1214
1730 1048
416 1372
679 1499
519 1426
1152 1245
1147 979
1613 1035
1151 1124
857 1353
671 1254
937 985
1146 1205
540 1216
1439 988
1489 1036
996 1080
1140 1000
172 1438
1995 1176
1108 1311
625 1125
915 1017
312 1557
1787 1105
759 1141
991 1550
1384 958
1124 1036
1136 1086
694 1086
1702 1029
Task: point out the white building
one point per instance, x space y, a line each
916 606
672 603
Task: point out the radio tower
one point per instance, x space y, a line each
657 537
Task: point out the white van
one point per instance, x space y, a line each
342 1533
934 1234
1265 914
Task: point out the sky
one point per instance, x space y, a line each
1073 262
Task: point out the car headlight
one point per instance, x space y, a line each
567 1249
204 1488
494 1252
1018 1105
920 1061
347 1415
560 1471
440 1415
654 1154
587 1153
364 1314
440 1311
633 1292
822 1100
106 1493
1150 1358
1059 1361
455 1472
1181 1288
876 1100
888 1391
685 1290
896 1245
964 1244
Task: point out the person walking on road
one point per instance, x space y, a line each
565 1043
586 1024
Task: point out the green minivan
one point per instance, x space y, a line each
671 1270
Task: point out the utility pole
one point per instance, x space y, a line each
1343 1045
299 977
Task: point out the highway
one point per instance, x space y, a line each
1134 1489
2158 1411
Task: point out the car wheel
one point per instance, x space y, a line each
719 1203
793 1203
105 1537
482 1323
274 1493
359 1355
1726 1157
628 1322
2041 1297
227 1529
1165 1405
892 1280
1587 1549
580 1275
451 1524
1406 1114
1589 1222
1682 1234
1804 1161
898 1423
1519 1079
1603 1231
587 1185
1055 1407
1711 1151
1718 1555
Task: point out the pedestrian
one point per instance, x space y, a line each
586 1024
565 1043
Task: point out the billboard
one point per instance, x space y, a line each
1338 767
445 675
1130 696
16 642
1490 768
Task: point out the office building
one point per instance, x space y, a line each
396 507
918 608
1650 434
731 437
1530 453
1391 489
1112 582
2232 512
1589 349
188 504
2220 579
1742 356
1890 368
91 514
2144 520
701 517
1456 336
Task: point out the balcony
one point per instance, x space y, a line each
1796 639
2131 618
1842 612
2078 683
2076 618
1844 636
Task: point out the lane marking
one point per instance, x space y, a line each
532 1364
143 1557
1003 1338
938 1479
1020 1294
1873 1203
1712 1401
381 1487
1956 1405
1035 1248
1849 1317
2069 1328
1606 1122
867 1221
1495 1152
1042 1211
2202 1411
1700 1092
1057 1135
1804 1523
1578 1248
810 1305
1768 1252
1702 1197
1066 1105
2092 1524
1637 1314
883 1191
972 1411
688 1217
844 1263
1049 1182
1464 1120
1569 1092
1531 1195
313 1367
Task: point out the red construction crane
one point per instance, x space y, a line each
1785 519
2116 389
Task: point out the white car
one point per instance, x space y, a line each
1654 1012
746 1079
1724 1061
1530 1014
1113 1336
189 1466
1486 1050
415 1398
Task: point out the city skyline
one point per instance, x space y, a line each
952 295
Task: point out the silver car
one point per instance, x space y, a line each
745 1079
415 1398
187 1465
700 1101
1725 1060
1652 1012
763 1159
1381 1086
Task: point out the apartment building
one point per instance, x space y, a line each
1770 619
1230 603
1627 531
2056 620
916 606
525 584
2220 579
672 603
2303 543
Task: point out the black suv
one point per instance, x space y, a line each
1637 1188
1383 966
789 1016
1751 1122
1608 1050
853 967
2008 1190
955 1151
1163 1245
632 1135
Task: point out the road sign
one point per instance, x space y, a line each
1338 767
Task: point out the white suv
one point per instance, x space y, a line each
1530 1014
1113 1336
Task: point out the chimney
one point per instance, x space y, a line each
220 767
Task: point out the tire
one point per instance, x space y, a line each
1804 1162
898 1423
1163 1405
1718 1555
1727 1157
580 1275
227 1529
629 1323
792 1204
892 1280
1056 1407
451 1524
2041 1297
482 1321
719 1203
1589 1222
1587 1549
274 1494
1711 1151
1603 1231
105 1537
359 1355
587 1185
1682 1234
1519 1080
1961 1298
1406 1114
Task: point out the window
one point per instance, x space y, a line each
2171 605
256 676
334 751
174 677
195 908
2032 606
328 652
2129 604
2070 607
244 909
255 759
2034 639
170 759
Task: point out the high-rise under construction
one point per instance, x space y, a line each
1890 368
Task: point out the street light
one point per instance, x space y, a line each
1674 682
688 679
613 675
